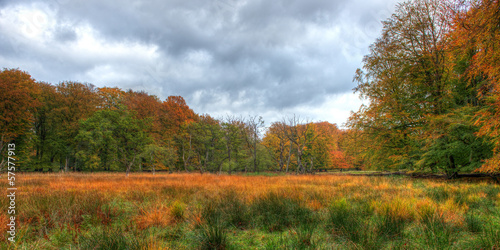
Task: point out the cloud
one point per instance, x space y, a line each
223 56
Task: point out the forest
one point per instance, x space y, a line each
430 81
75 126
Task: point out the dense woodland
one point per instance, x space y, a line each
431 80
74 126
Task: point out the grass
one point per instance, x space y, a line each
193 211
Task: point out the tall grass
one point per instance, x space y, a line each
276 212
109 239
193 211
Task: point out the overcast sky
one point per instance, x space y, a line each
253 57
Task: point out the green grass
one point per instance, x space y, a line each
285 213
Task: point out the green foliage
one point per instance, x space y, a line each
111 140
453 146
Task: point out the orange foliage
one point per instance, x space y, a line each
17 104
476 32
178 113
111 98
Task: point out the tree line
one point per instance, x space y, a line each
432 81
74 126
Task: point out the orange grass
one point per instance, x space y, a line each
163 200
317 190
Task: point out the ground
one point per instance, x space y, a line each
193 211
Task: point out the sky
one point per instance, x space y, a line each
225 57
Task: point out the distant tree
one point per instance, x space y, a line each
159 157
75 102
301 134
207 136
253 125
112 140
47 144
110 98
278 145
18 103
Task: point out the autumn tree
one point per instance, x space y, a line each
47 143
277 143
207 136
406 80
17 106
475 42
253 126
111 98
301 135
75 102
233 133
177 113
325 150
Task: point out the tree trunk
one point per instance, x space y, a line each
229 157
152 163
255 150
2 163
311 167
130 166
299 160
66 163
453 173
184 160
289 156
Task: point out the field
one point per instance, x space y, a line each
193 211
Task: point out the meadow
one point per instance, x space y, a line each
193 211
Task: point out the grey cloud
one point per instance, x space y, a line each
261 56
65 34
